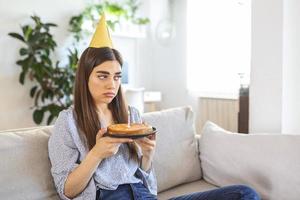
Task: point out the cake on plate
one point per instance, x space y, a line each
133 129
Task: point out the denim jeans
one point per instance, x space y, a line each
138 191
234 192
134 191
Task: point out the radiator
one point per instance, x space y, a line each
223 112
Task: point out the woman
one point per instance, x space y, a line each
86 164
77 146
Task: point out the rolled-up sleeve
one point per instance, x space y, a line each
64 157
149 179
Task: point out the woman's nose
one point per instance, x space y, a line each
111 84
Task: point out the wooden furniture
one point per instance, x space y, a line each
243 115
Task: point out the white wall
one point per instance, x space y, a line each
168 61
291 67
275 72
15 102
14 98
266 66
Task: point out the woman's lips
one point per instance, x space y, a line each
109 94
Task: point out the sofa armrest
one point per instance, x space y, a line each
268 162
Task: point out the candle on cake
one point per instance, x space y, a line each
128 122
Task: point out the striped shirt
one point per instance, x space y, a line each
67 150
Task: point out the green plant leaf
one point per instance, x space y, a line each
23 51
54 109
22 77
37 20
34 38
17 36
38 116
142 21
50 24
36 100
32 91
114 9
50 119
27 30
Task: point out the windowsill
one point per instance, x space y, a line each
214 95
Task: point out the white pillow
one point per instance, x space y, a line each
176 160
270 163
25 166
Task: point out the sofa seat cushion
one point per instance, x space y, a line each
268 162
196 186
25 166
176 159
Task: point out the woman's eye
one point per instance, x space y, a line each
102 77
117 78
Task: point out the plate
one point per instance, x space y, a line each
132 136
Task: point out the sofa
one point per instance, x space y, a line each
185 161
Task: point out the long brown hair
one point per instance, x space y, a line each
85 109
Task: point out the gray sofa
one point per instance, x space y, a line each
184 162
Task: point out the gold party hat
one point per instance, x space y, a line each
101 37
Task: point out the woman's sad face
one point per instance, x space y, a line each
104 82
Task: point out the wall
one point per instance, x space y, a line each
266 67
15 101
275 83
291 67
168 60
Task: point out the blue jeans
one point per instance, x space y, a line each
134 191
138 191
234 192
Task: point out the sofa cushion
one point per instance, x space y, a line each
24 166
176 160
268 162
187 188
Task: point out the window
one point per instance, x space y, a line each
218 46
127 47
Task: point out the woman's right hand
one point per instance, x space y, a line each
107 146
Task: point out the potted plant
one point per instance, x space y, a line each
53 84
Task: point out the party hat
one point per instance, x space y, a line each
101 37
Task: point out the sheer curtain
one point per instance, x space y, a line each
218 46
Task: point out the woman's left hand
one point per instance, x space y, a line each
147 145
